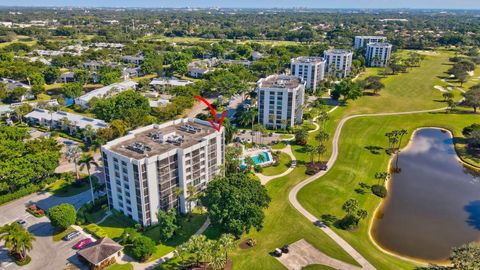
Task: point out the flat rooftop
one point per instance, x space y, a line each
379 44
280 81
159 139
338 51
308 59
372 37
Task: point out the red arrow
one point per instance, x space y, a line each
214 114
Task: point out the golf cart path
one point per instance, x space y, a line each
292 196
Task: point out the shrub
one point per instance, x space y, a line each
258 168
313 168
96 230
143 247
29 189
62 216
348 222
35 211
19 262
379 190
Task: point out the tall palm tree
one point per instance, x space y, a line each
320 150
178 192
322 137
72 154
311 150
322 118
87 160
191 191
217 261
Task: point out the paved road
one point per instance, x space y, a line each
292 196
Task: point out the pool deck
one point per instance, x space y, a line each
257 151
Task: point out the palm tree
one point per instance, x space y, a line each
322 118
311 150
217 261
320 149
273 118
51 110
261 158
191 191
195 245
227 243
178 192
284 123
72 154
322 137
17 239
87 160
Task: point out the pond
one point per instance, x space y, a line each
433 202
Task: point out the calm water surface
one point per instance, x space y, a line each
433 202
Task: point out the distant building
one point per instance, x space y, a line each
378 54
136 59
362 41
310 68
198 69
339 62
144 168
67 77
105 92
68 121
12 84
163 83
280 100
256 56
128 73
230 62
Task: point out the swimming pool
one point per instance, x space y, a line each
267 159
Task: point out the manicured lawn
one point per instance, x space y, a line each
115 224
283 225
281 166
278 146
60 235
356 164
127 266
62 189
188 226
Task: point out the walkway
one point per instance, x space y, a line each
154 264
292 196
265 179
302 253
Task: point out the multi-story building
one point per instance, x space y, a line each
145 169
310 68
280 100
362 41
339 62
378 54
105 92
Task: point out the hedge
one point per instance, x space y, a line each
24 191
97 231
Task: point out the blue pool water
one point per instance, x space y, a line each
256 159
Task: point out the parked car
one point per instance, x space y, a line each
285 249
277 252
22 222
71 235
82 243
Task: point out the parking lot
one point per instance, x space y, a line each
46 254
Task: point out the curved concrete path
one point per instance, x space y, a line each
292 196
265 179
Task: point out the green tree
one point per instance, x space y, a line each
51 74
350 206
466 257
235 203
347 89
143 247
62 216
167 224
301 136
226 244
472 97
72 90
17 239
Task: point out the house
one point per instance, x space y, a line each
198 69
93 64
256 56
159 102
137 60
101 254
128 73
12 84
106 91
67 77
65 120
230 62
163 83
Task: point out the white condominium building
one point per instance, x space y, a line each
145 169
310 68
339 62
280 100
378 54
362 41
105 92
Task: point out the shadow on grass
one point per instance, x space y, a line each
374 149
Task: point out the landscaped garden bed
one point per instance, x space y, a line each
35 211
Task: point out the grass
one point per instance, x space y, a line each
59 236
188 227
278 146
63 189
115 224
281 166
277 231
116 266
357 164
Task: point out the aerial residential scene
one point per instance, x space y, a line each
244 135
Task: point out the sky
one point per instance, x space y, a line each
428 4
